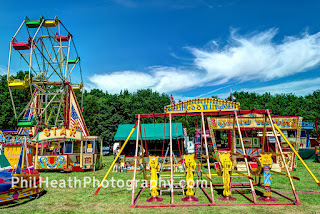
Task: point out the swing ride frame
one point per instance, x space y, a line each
210 195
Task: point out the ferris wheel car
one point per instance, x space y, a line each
51 22
19 84
63 38
21 45
33 23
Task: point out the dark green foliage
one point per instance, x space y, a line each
103 112
7 120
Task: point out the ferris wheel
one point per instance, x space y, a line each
46 50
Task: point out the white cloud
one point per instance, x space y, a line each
258 58
117 81
3 70
244 58
162 79
299 88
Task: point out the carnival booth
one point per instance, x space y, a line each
67 150
158 136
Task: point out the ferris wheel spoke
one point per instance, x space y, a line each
49 63
27 62
71 71
14 108
52 40
44 110
28 105
35 55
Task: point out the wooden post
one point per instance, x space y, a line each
81 154
245 158
207 156
171 160
135 162
41 148
282 156
182 147
230 139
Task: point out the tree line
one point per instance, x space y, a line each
103 112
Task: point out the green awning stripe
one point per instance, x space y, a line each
154 131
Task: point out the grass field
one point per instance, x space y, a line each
117 200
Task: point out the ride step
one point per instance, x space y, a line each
243 188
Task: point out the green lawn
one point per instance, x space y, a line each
117 200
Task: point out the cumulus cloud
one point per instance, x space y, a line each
243 58
162 79
258 58
117 81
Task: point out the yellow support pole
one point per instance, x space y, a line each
304 164
135 162
114 161
36 157
81 154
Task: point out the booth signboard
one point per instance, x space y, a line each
226 123
202 105
55 133
12 153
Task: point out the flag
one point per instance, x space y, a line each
75 117
232 98
171 100
75 120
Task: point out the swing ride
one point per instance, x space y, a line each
219 163
48 54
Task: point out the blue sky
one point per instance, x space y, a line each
186 48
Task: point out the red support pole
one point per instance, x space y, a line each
145 140
229 139
164 138
177 137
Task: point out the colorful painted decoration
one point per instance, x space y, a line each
53 162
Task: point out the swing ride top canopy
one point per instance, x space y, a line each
154 131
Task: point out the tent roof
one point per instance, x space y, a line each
3 160
154 131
